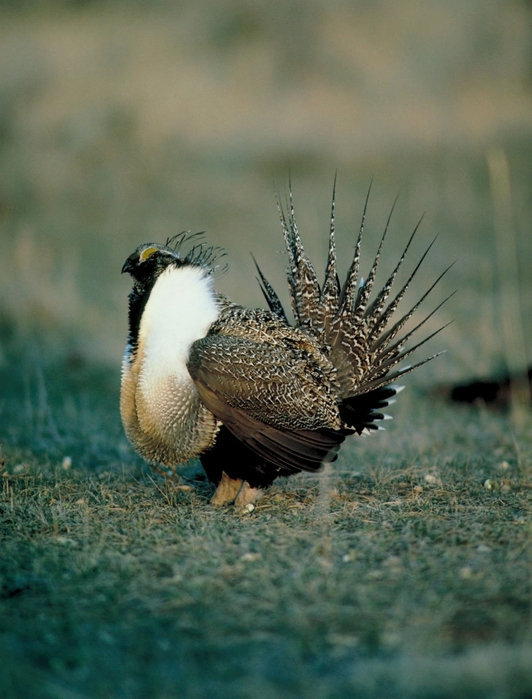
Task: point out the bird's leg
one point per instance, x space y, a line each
248 495
226 491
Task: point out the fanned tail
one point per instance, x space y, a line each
362 342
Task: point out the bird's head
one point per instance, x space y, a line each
149 260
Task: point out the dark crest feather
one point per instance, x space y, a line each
199 254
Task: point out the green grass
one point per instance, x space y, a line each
402 570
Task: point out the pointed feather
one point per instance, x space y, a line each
330 293
302 280
349 288
398 357
310 309
384 318
291 272
375 310
347 352
399 344
270 294
366 288
385 339
387 379
363 352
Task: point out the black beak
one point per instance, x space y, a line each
128 265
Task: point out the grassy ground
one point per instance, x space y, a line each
404 569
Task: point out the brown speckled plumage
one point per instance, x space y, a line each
274 373
249 394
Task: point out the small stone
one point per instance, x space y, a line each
249 556
66 463
249 507
466 573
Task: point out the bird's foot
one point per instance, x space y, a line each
226 491
248 495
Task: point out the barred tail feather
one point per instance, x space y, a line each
330 293
367 286
376 309
349 289
385 347
352 329
388 379
394 358
382 321
399 344
303 282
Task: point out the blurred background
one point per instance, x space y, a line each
127 122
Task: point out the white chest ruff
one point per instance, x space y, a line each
172 421
180 310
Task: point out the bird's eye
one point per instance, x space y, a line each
147 252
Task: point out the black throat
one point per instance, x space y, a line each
138 298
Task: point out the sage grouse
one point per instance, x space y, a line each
253 396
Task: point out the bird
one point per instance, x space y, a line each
250 392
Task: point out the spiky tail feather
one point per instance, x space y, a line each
365 349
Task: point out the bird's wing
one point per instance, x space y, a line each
280 385
274 398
